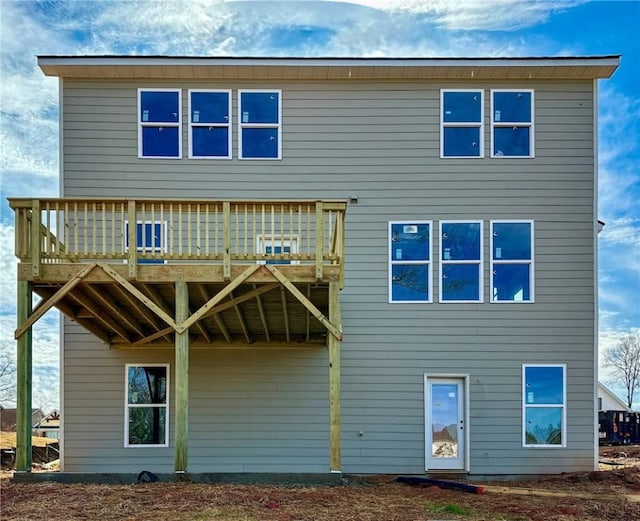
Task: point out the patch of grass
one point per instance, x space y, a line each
449 509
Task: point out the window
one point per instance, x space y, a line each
147 405
410 261
512 123
159 123
461 261
210 124
259 115
461 117
512 261
544 405
277 247
150 239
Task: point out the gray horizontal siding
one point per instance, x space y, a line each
379 141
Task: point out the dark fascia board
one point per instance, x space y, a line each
185 67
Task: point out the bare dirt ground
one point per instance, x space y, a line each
588 496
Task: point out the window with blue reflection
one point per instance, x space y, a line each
461 119
512 240
209 107
149 239
410 242
512 107
460 241
209 141
277 249
259 107
260 142
544 384
159 123
460 282
159 106
512 282
512 141
410 259
409 282
512 123
160 141
544 405
512 261
462 106
461 141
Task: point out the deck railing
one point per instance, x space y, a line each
225 232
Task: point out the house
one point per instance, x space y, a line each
609 401
8 418
337 265
49 426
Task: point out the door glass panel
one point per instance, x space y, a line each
444 420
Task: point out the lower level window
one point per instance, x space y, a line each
147 407
544 405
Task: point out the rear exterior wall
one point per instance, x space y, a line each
378 141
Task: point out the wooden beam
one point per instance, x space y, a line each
146 313
182 379
123 317
43 308
151 338
221 326
335 427
285 313
218 297
24 380
138 294
263 316
100 315
256 292
332 328
242 321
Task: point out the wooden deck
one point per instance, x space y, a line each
257 273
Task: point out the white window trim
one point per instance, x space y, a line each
428 263
264 240
463 124
228 125
479 262
530 262
530 125
128 406
242 126
526 405
142 124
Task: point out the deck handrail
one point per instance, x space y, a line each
55 230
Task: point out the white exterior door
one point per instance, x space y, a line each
445 423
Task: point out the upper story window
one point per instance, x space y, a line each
147 405
461 261
512 129
461 119
151 239
544 405
159 123
410 261
210 124
260 116
512 261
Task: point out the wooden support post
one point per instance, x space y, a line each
182 378
335 427
319 239
132 240
36 239
24 381
226 240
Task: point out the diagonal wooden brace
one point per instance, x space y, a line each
332 328
138 294
56 297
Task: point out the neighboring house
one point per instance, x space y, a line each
49 426
609 401
8 418
346 265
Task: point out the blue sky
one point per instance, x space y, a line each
368 28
